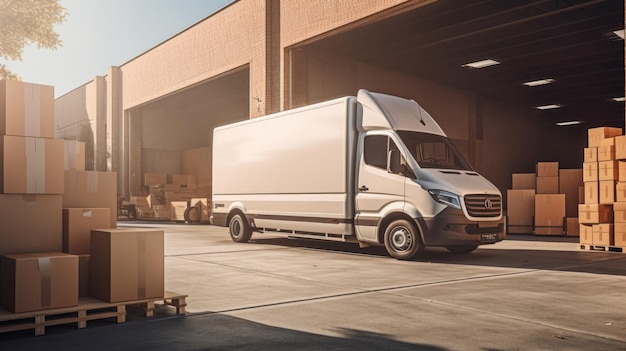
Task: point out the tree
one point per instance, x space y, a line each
26 22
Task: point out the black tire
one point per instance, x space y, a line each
462 249
192 215
402 240
239 229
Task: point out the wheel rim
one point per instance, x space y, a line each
401 239
235 228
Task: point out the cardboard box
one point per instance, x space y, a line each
621 166
597 135
547 169
77 226
620 147
83 275
590 171
87 189
524 180
38 281
139 201
570 181
595 213
590 154
74 155
606 152
606 192
154 179
581 194
572 226
161 211
177 210
603 234
177 179
619 212
155 199
619 234
203 206
26 109
127 264
549 214
585 234
31 165
30 223
620 192
592 195
608 170
547 185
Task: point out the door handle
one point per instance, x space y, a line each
363 188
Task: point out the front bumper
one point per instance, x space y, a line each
451 227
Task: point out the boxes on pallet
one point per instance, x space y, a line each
520 210
524 180
547 169
30 223
26 109
37 281
621 172
549 214
591 193
606 191
87 189
590 154
603 234
595 213
547 185
597 135
177 210
127 264
585 234
619 234
620 192
83 275
74 155
31 165
608 170
620 147
606 152
572 226
570 180
590 171
77 226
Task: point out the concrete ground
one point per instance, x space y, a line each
525 293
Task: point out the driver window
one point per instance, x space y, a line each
376 149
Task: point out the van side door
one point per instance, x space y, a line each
378 189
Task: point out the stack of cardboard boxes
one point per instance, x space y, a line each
50 208
545 202
602 216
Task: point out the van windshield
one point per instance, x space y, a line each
433 151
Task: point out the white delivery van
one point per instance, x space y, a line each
374 169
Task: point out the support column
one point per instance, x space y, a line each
99 124
272 56
134 153
115 127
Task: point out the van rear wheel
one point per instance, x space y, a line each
402 240
239 229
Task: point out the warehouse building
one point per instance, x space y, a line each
500 77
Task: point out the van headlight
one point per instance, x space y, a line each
446 198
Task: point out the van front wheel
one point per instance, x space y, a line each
402 240
239 229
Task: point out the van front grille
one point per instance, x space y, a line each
483 205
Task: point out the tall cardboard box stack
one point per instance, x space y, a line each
34 274
601 167
546 201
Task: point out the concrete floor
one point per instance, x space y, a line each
525 293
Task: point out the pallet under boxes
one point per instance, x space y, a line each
89 308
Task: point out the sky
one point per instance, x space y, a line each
98 34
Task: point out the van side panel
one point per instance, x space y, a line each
291 170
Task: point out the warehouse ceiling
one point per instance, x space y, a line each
571 42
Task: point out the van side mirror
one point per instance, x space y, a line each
394 162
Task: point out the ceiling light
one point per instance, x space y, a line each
570 123
618 99
619 33
547 107
535 83
481 64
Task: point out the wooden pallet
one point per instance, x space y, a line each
89 308
601 248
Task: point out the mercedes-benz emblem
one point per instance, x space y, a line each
488 204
